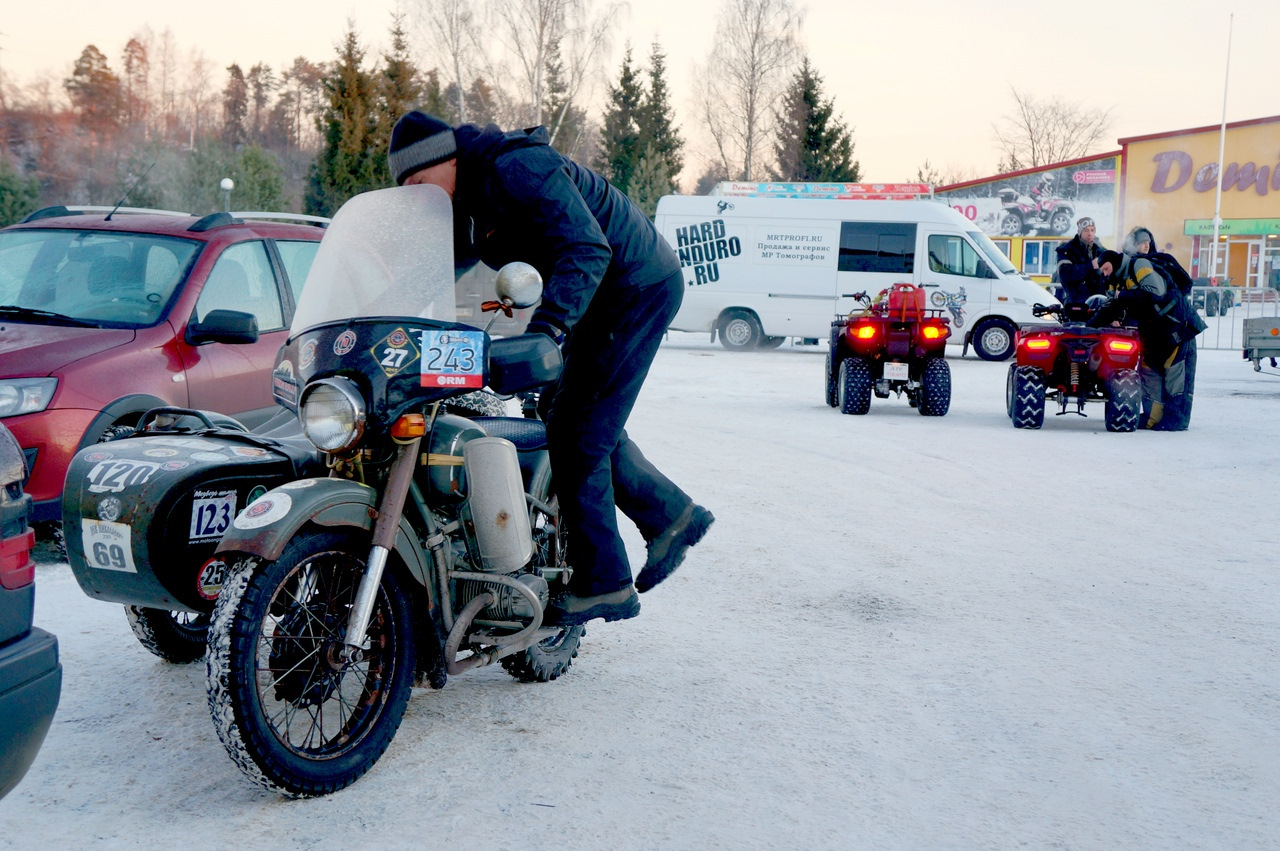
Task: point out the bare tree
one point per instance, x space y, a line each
199 92
454 33
528 28
754 51
1041 131
167 106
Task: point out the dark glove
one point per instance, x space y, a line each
537 326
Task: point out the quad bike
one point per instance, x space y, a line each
1074 362
893 345
1020 216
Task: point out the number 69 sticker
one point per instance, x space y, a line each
107 545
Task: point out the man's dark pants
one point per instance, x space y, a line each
594 464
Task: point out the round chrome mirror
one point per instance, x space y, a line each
519 285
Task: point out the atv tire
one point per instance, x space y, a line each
1027 402
853 386
1124 404
935 388
832 395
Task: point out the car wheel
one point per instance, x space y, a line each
993 339
740 330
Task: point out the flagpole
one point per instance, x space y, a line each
1222 145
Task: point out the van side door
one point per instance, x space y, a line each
956 278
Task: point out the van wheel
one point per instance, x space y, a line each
740 330
993 339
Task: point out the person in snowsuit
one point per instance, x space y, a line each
1078 263
1145 299
613 285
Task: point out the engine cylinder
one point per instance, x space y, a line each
495 502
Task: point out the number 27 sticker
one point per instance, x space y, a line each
107 545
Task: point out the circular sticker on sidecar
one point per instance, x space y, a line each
264 512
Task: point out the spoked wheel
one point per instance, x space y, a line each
177 637
552 656
292 712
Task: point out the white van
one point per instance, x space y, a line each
760 270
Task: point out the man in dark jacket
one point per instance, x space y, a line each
1078 261
613 285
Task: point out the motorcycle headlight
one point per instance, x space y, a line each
25 395
333 414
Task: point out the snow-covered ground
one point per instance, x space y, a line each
901 632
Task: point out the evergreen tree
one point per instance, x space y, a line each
812 144
650 181
399 91
348 162
620 145
18 195
566 122
656 119
259 180
95 92
235 106
262 82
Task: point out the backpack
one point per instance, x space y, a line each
1171 270
1177 305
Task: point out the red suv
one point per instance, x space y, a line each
105 314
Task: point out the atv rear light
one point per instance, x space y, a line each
1121 347
932 332
1038 345
865 332
17 570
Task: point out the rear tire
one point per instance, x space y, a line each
177 637
740 330
1124 404
832 395
1028 397
935 388
853 386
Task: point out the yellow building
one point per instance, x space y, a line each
1165 182
1168 183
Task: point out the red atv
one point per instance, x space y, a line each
1073 361
894 345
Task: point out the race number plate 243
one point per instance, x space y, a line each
452 358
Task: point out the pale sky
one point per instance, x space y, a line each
915 79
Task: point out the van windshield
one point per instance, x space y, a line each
994 255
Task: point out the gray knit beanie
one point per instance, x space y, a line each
419 141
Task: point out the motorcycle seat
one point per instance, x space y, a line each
528 435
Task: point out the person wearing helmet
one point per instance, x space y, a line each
1143 297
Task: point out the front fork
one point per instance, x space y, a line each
385 526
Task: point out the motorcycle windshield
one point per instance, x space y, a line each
386 253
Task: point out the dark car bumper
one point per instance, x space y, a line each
30 685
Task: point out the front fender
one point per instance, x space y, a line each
265 526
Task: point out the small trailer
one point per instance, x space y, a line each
1261 339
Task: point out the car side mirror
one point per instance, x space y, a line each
223 326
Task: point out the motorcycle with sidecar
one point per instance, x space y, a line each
393 543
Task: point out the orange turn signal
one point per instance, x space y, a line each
1121 346
1038 345
409 426
865 332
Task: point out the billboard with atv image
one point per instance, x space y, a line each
1042 202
